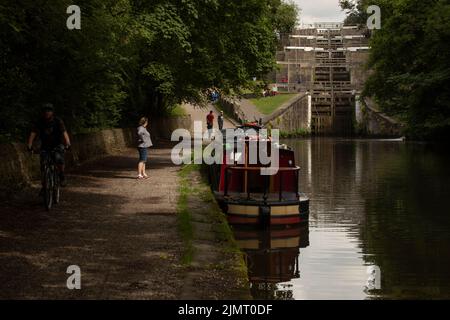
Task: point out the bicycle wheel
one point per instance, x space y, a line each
56 187
48 188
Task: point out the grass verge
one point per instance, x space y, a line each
184 216
269 104
177 111
197 200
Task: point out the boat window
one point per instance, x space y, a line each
236 156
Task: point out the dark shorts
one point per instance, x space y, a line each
143 154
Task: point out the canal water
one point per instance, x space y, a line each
379 225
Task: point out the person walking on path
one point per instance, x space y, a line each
210 123
220 120
144 142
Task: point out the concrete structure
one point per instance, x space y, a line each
326 60
293 118
370 121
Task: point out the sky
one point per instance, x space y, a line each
320 11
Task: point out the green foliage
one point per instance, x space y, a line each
42 61
177 111
184 217
131 57
410 58
300 132
285 15
410 62
356 11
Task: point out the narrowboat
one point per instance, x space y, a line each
248 196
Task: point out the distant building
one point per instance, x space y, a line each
327 60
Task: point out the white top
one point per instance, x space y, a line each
144 140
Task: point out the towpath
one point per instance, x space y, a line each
199 114
122 233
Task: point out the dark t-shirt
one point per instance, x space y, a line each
50 132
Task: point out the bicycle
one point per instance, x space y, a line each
51 188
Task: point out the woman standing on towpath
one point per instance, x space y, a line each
144 142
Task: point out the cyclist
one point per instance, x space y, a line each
54 137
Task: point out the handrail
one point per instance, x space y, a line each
282 170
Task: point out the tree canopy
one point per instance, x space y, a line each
355 10
410 64
131 57
285 15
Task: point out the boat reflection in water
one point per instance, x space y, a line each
272 258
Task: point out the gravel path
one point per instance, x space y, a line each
121 232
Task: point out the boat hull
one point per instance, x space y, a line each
268 213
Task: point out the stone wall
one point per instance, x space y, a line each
358 72
232 108
292 117
18 168
162 128
372 122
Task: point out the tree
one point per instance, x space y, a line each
410 59
410 64
285 15
356 11
42 61
131 57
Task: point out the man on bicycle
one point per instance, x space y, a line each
54 138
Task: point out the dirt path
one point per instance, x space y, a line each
121 232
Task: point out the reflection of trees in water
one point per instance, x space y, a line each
330 176
407 229
394 195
